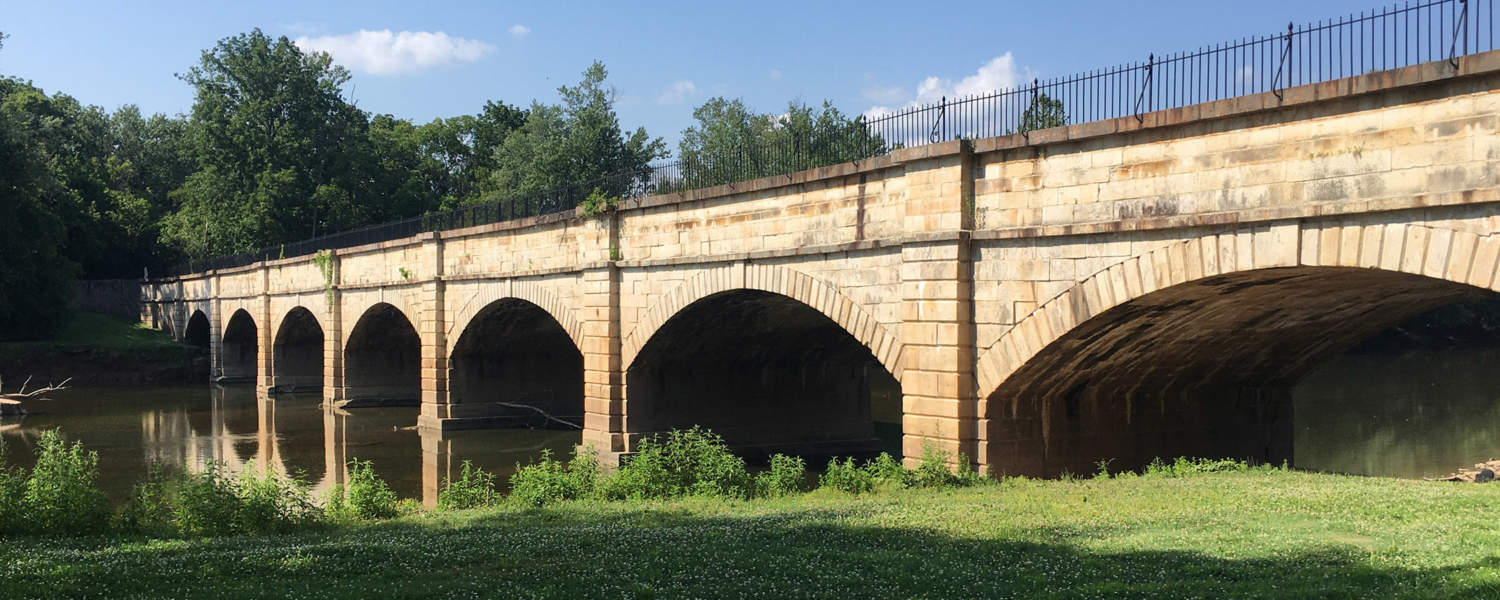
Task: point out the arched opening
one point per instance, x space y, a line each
239 346
196 332
382 360
769 374
1206 368
297 362
513 360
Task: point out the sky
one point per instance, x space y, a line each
422 60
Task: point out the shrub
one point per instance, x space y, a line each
933 472
61 494
206 502
269 502
12 495
149 507
784 477
366 496
549 480
688 462
475 488
847 477
1184 467
886 469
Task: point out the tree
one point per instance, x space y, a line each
37 280
577 144
1043 112
281 154
466 148
731 143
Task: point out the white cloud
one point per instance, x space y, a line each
893 94
519 30
393 53
677 92
997 74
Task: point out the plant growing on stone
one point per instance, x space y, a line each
323 259
598 203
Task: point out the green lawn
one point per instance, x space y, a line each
1224 535
94 330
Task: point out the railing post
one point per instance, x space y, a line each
1460 29
939 127
1140 117
1286 54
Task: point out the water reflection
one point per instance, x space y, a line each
187 428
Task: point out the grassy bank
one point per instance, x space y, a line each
1261 533
97 349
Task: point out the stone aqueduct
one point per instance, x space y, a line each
1117 289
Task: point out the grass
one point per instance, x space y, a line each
1256 533
94 330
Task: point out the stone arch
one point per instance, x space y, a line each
195 331
1193 348
356 304
811 291
494 291
1456 256
239 346
297 350
382 358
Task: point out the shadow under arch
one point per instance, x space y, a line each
240 345
196 333
769 374
513 352
382 359
297 353
1202 367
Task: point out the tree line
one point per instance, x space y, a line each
274 152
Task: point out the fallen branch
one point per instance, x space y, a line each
23 395
541 412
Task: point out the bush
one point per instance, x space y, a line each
549 480
475 488
61 494
688 462
12 495
149 507
847 477
206 502
1184 467
934 471
366 496
269 502
886 469
784 477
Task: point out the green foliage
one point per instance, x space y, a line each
684 463
784 477
149 507
207 502
598 203
1186 467
846 476
213 502
62 494
549 480
731 143
933 471
1044 111
12 494
365 497
269 502
474 488
35 284
577 141
885 468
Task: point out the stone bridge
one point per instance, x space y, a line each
1122 289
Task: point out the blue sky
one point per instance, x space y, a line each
421 60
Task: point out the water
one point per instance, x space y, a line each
1417 414
184 428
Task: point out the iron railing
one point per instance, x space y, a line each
1388 38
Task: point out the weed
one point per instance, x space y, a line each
62 494
368 496
549 480
847 477
783 478
475 488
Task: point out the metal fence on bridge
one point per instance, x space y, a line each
1388 38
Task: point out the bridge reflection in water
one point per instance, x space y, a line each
181 429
